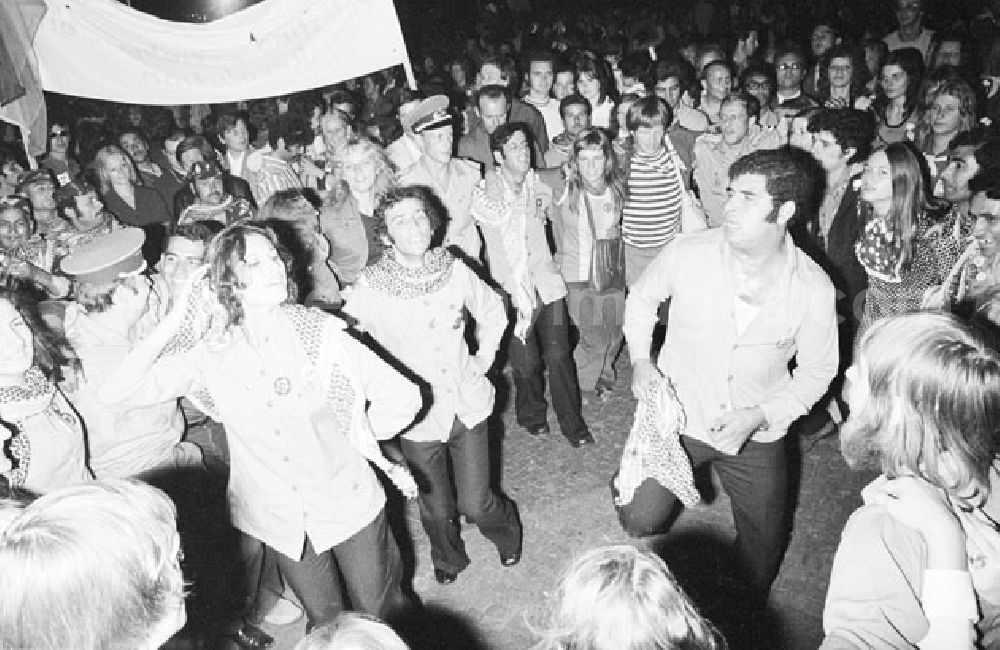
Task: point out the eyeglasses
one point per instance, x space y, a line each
758 85
58 134
790 66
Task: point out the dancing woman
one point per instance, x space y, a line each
291 387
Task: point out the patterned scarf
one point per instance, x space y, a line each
16 403
389 276
879 251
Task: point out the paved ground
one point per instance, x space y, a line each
566 508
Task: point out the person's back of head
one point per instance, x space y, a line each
92 566
353 631
623 598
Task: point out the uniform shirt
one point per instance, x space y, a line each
125 440
294 471
427 333
456 194
922 42
714 367
712 158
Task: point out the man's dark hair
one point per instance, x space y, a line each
793 49
570 100
638 66
198 142
432 207
790 174
562 65
341 96
760 69
850 128
493 92
133 130
294 130
505 132
197 231
683 71
228 120
987 177
539 55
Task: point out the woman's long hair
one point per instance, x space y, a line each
966 96
53 354
912 63
226 254
911 197
103 159
614 177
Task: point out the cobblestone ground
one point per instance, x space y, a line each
563 497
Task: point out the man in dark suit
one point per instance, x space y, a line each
842 139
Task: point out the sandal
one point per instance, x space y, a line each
251 637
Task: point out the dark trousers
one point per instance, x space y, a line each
547 340
756 480
366 566
441 504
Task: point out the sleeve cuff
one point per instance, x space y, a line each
949 594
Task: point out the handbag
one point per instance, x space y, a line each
607 259
692 214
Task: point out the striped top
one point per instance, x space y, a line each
652 213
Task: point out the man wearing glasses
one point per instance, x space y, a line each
58 160
790 65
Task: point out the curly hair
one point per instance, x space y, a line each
431 204
226 255
385 172
790 175
851 128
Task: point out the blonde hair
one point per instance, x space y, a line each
90 566
385 172
933 409
624 598
102 160
353 631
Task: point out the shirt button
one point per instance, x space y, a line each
286 459
277 432
444 371
295 489
731 377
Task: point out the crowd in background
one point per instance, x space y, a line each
157 254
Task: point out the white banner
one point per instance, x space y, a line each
106 50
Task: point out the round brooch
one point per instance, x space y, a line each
282 386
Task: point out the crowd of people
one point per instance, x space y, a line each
314 297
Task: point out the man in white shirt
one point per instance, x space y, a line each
541 75
911 32
744 301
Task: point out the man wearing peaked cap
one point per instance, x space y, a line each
105 259
114 308
211 200
451 179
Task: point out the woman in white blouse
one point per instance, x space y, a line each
291 387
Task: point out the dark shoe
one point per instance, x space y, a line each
445 577
538 429
580 439
251 637
603 388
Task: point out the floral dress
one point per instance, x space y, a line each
894 288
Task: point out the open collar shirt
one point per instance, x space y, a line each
294 470
427 333
719 364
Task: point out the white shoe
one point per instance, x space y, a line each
284 612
